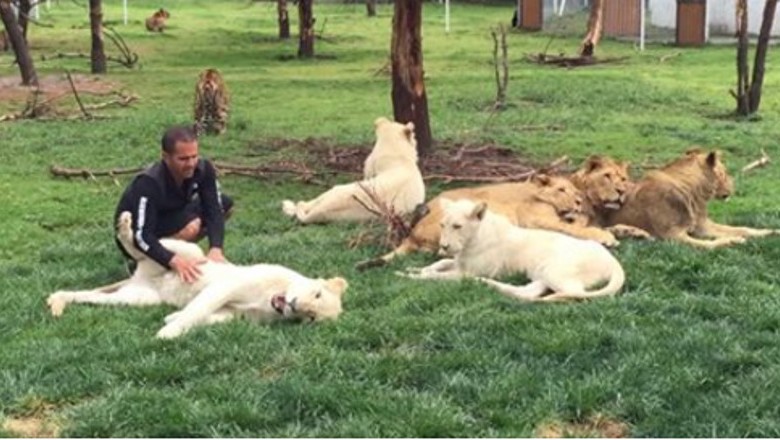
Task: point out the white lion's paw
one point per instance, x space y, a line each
288 207
57 302
172 317
170 331
125 221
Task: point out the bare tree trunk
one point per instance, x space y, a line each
22 52
743 70
284 19
306 26
98 55
24 16
593 35
761 49
410 103
371 8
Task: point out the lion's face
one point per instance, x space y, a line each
721 181
460 222
606 182
311 300
561 193
162 14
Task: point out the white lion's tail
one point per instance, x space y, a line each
613 286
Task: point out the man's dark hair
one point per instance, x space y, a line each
179 133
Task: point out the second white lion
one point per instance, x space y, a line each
391 178
488 245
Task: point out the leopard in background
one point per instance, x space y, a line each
211 103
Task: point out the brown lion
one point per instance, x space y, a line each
211 103
156 23
605 183
543 202
671 203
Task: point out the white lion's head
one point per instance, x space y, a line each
311 299
460 222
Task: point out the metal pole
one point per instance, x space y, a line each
124 11
447 16
642 11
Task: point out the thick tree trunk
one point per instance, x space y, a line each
306 26
743 71
22 52
593 35
761 49
24 16
371 8
96 26
284 19
410 103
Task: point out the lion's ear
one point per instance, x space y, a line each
409 130
541 179
337 285
712 159
593 163
479 211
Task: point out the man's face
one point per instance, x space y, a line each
183 160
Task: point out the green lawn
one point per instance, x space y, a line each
690 349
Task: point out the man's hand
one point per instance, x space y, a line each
186 268
215 254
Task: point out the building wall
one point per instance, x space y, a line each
721 15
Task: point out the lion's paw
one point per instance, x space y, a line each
170 331
125 221
289 208
57 302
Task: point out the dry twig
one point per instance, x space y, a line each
758 163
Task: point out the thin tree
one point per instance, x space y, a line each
306 29
371 8
410 102
98 54
595 24
18 44
748 94
283 18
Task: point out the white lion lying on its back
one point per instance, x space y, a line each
488 245
390 172
261 292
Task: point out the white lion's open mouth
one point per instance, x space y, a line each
278 302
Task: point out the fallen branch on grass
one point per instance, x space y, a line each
564 61
758 163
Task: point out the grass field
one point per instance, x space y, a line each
691 348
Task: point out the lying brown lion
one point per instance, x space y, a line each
671 203
543 202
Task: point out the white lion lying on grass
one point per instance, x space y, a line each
390 174
261 292
488 245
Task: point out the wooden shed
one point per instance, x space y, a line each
531 14
691 28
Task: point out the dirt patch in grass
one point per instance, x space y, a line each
37 426
483 162
594 426
51 86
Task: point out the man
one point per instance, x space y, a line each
178 197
